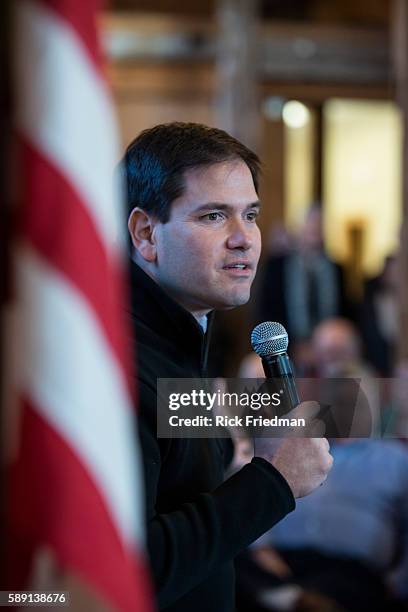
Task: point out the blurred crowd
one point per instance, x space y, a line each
345 548
300 286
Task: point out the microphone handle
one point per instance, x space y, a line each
279 368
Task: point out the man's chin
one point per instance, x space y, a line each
234 301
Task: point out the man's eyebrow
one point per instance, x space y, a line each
223 206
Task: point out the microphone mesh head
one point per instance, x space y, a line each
269 338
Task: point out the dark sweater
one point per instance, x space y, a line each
196 521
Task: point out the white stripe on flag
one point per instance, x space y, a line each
66 112
69 370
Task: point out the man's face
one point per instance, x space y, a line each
207 253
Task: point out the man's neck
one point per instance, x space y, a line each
199 314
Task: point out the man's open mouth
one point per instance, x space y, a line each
237 266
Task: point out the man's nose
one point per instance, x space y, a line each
239 237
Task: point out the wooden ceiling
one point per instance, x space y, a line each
375 13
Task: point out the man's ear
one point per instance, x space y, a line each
141 227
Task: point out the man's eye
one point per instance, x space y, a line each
213 216
252 216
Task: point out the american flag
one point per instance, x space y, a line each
75 478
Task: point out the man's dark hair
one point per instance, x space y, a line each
155 162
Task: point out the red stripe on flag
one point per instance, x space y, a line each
81 16
65 511
61 229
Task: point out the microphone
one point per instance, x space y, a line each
270 341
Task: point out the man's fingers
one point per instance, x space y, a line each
313 428
317 429
305 410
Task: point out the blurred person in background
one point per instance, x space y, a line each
379 317
301 287
337 352
280 241
394 414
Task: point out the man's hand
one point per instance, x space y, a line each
303 462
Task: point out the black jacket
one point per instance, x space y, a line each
196 521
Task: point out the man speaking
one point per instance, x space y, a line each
193 208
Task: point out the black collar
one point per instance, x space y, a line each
152 306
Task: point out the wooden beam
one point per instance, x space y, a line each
318 153
236 98
286 51
319 92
